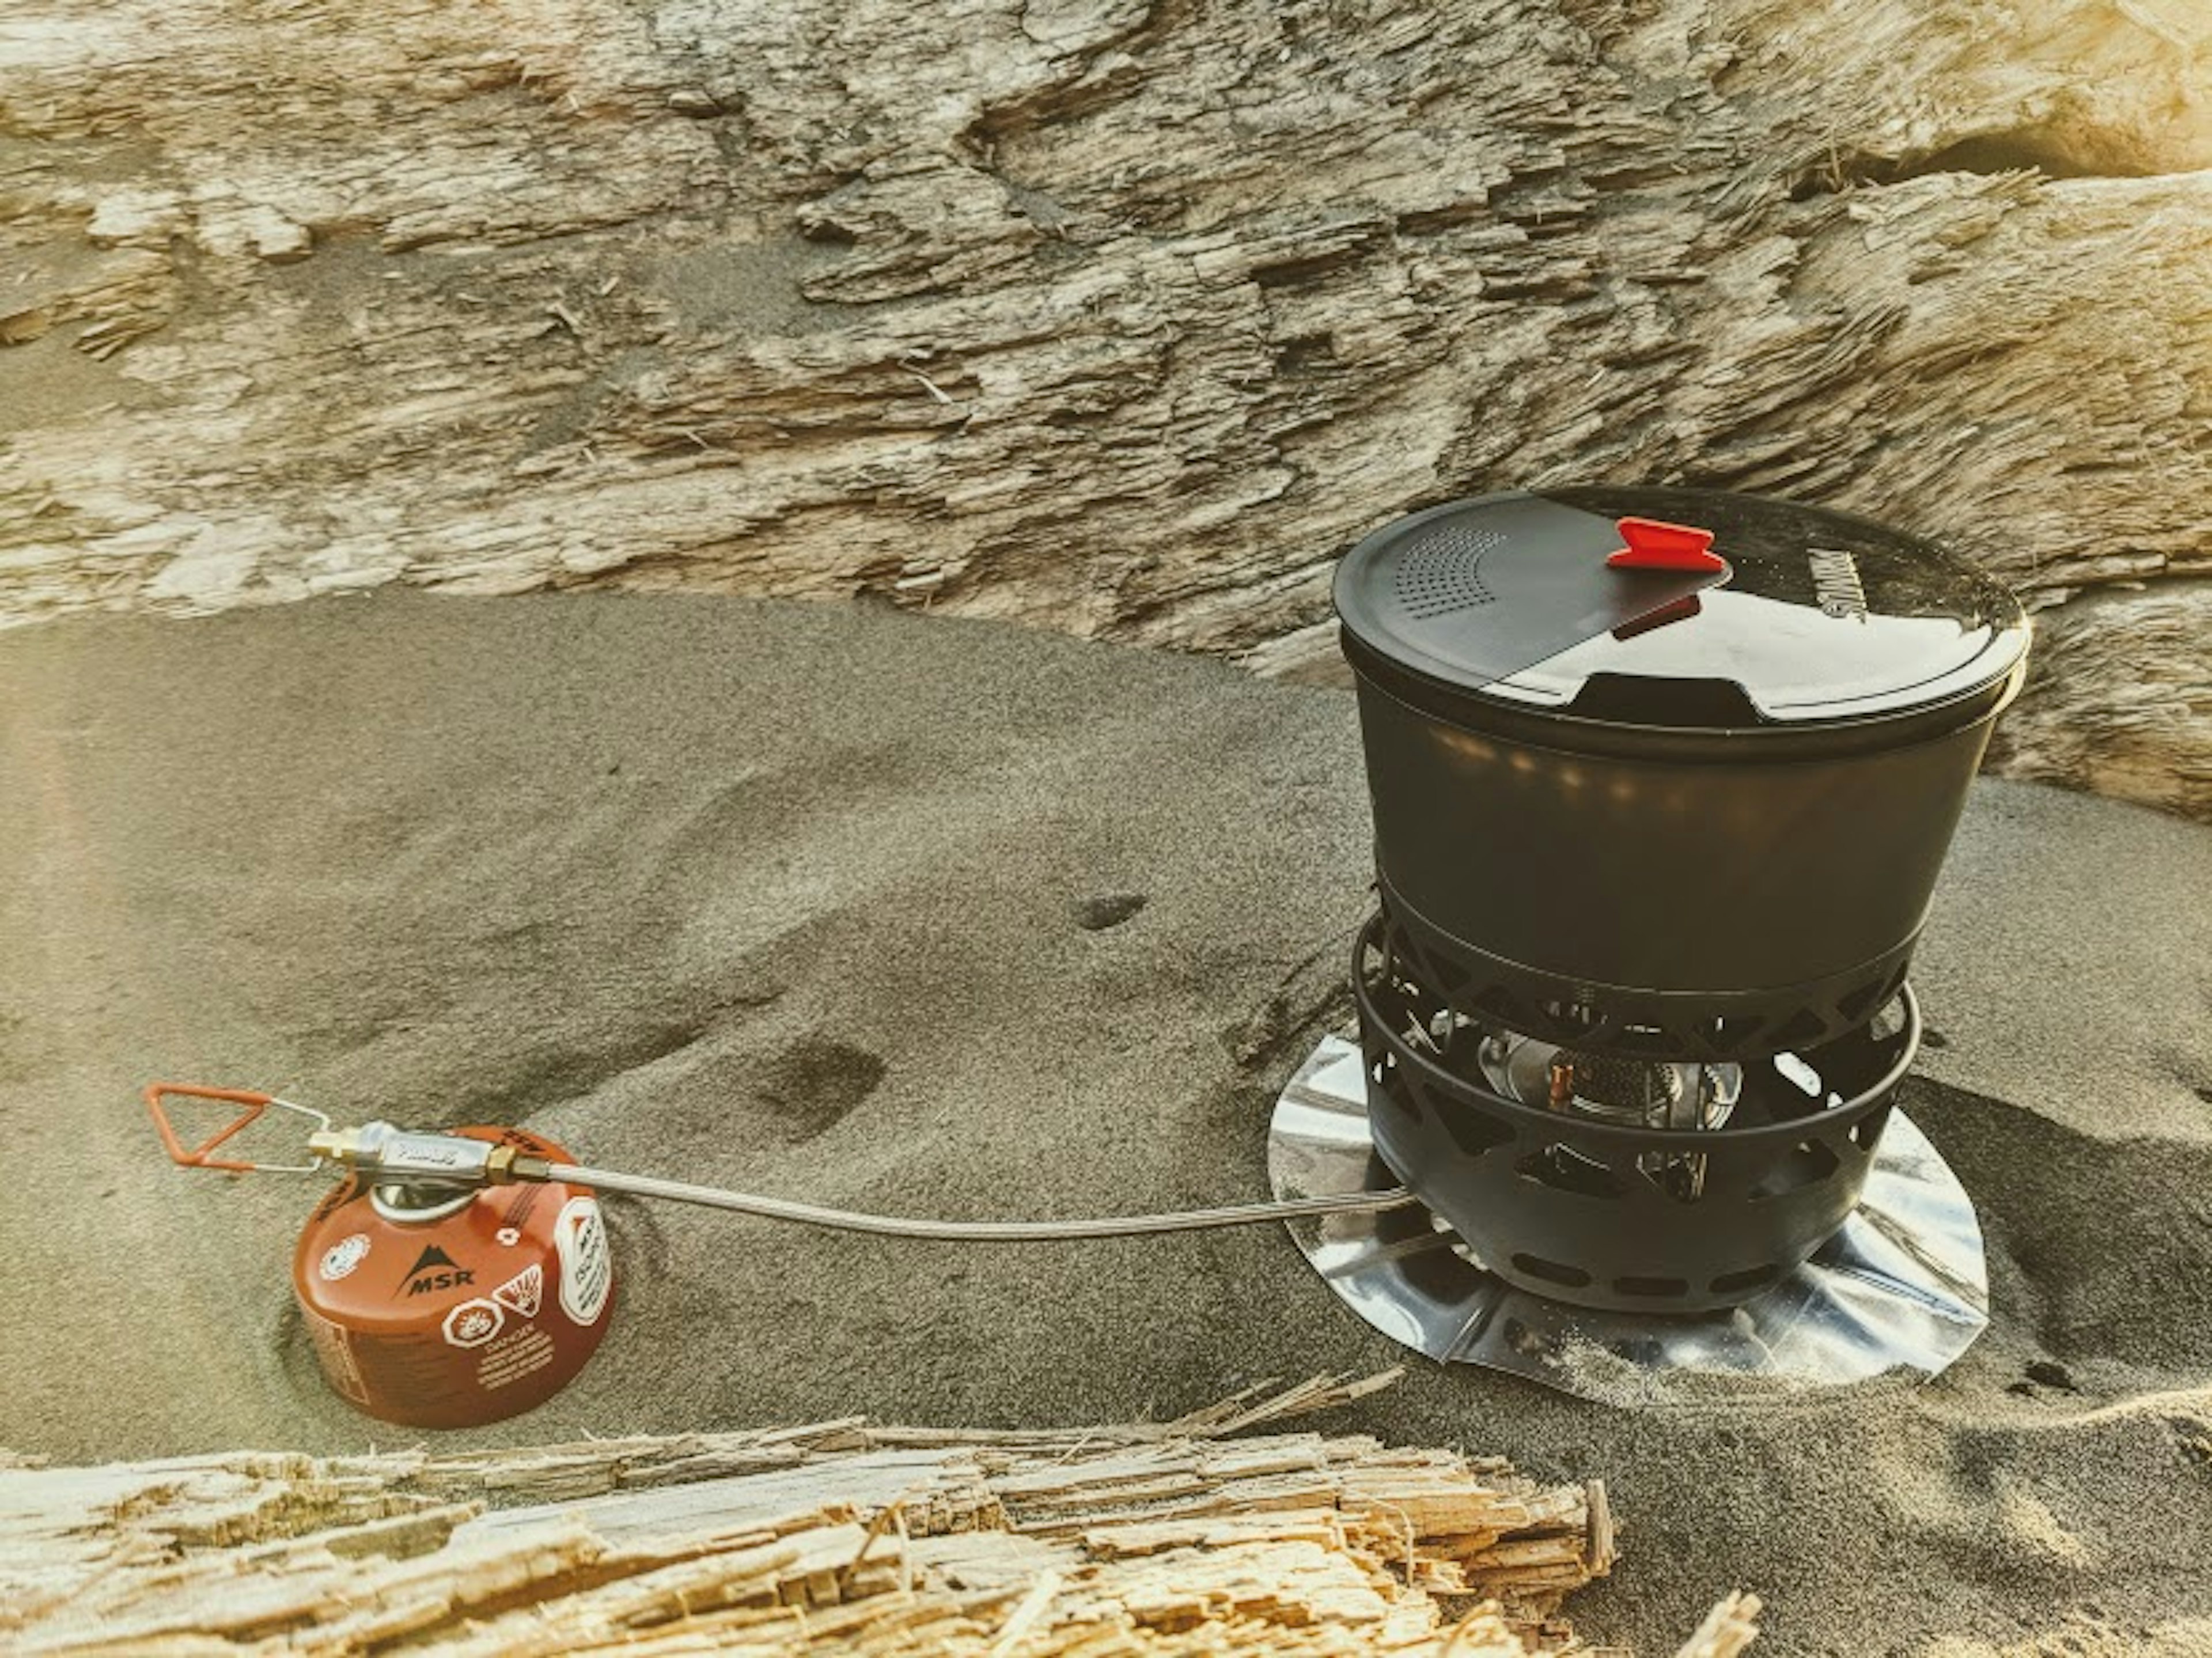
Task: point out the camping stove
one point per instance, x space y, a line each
1662 780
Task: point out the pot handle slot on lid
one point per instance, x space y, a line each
1650 699
1680 610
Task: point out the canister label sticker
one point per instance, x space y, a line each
342 1257
334 1347
521 1292
580 1235
473 1323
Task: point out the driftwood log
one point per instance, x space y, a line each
1124 316
837 1536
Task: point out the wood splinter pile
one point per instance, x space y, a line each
1141 1539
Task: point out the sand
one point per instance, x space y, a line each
843 904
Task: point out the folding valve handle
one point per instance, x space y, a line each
198 1157
375 1151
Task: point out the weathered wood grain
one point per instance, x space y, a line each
834 1537
1123 317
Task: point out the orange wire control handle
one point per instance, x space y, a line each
197 1157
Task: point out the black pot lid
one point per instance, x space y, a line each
1818 616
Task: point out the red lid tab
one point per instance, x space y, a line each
1654 544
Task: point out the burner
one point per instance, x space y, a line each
1618 1181
1901 1286
1641 1093
1656 826
1645 1093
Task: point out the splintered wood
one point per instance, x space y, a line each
1148 1538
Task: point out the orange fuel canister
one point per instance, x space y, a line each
440 1307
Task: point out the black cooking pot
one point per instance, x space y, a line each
1659 809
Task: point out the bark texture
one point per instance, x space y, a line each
1124 316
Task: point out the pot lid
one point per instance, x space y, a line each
1817 615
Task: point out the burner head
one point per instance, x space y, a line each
1644 1093
1669 1185
1676 812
